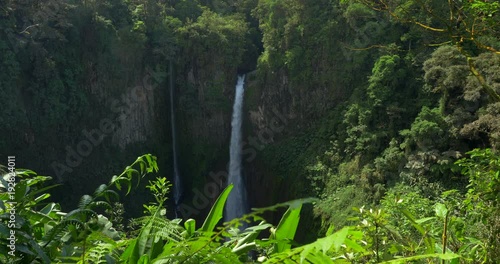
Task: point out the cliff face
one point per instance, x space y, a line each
281 107
88 94
136 112
103 82
205 93
305 71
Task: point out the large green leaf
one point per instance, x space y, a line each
190 226
441 210
127 255
320 251
138 246
247 242
217 210
323 245
144 260
287 227
142 239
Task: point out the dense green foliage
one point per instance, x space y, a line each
391 233
427 97
418 110
395 106
69 66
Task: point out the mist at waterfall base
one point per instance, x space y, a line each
236 202
177 177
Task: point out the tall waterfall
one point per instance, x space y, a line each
236 202
177 177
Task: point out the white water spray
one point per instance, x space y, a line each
236 202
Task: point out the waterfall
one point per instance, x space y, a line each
236 202
177 177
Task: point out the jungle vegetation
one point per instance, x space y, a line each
392 157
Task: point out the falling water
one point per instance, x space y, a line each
177 177
236 202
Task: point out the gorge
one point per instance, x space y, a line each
387 100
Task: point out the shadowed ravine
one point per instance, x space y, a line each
177 177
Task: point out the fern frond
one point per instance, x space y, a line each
102 204
98 237
53 237
100 253
81 214
85 201
162 228
320 250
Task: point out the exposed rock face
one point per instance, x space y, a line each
286 105
136 113
210 90
211 126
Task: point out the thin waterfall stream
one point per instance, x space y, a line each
177 177
236 202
